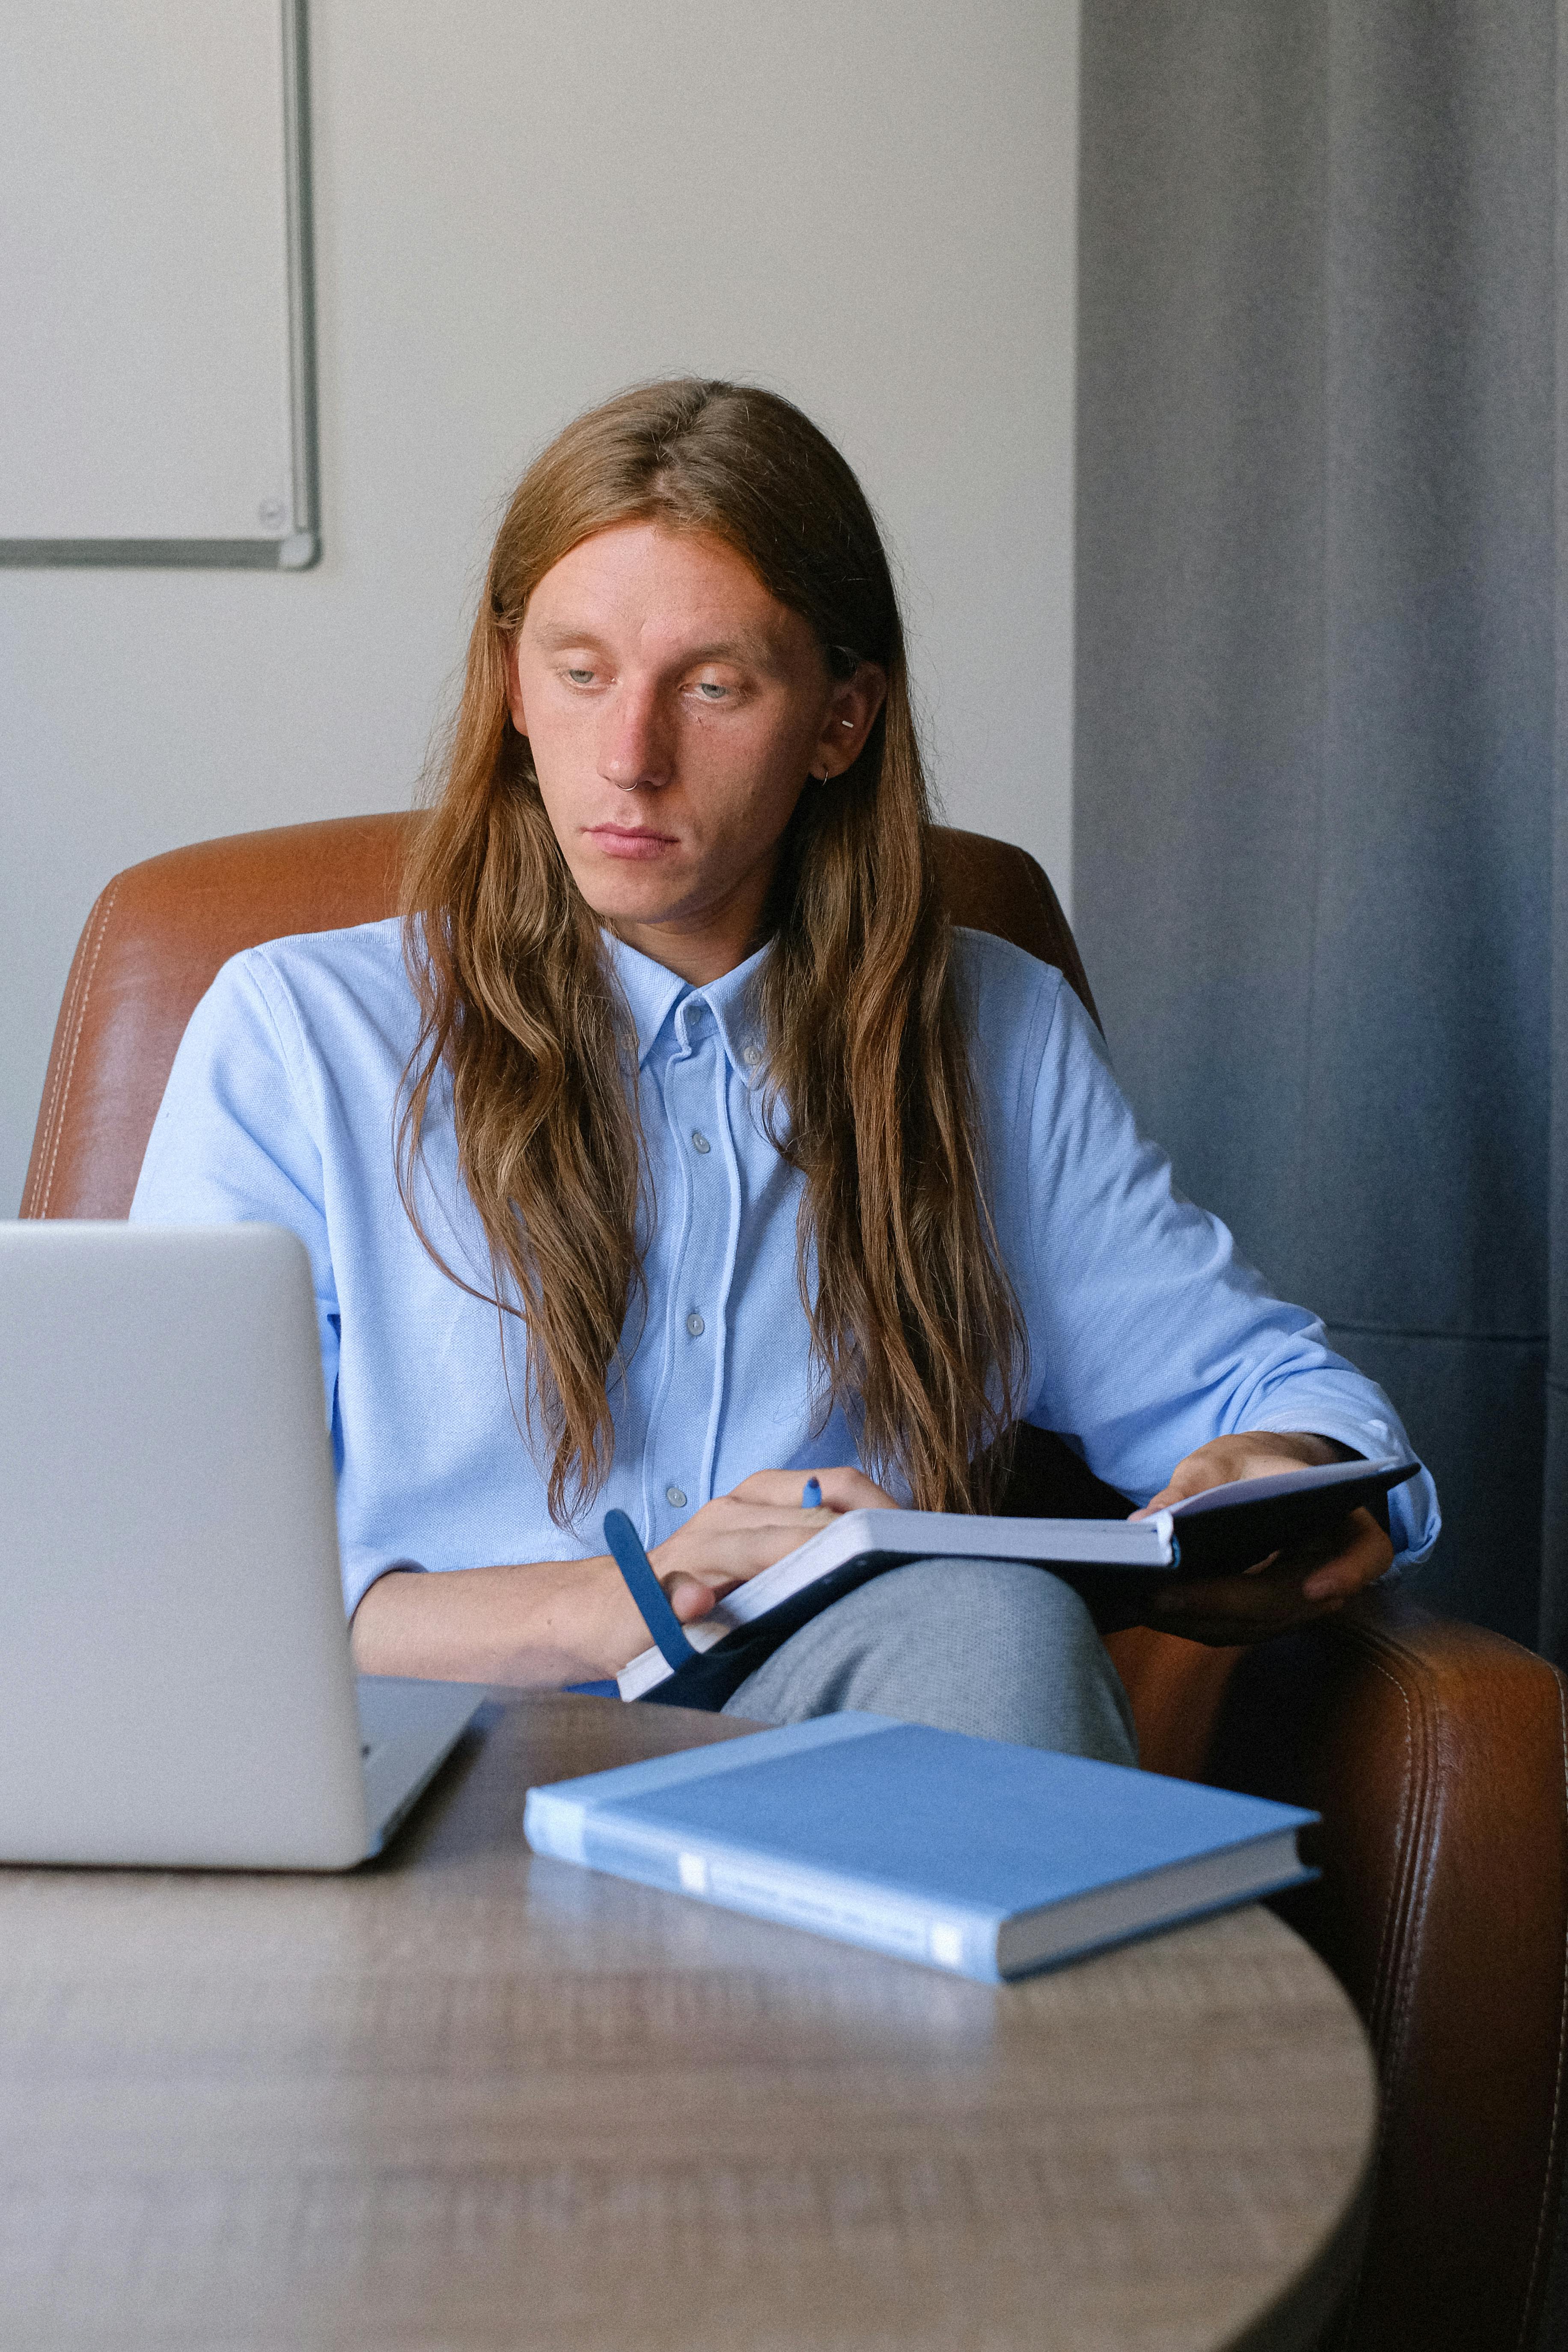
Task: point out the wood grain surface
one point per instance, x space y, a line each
465 2099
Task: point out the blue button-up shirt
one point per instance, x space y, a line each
1147 1333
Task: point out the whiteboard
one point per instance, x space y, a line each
157 400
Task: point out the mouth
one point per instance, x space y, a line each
629 840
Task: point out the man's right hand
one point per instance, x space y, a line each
552 1622
736 1536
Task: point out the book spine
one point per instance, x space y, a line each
554 1824
941 1937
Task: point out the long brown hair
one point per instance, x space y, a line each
914 1327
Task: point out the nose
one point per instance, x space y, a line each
634 743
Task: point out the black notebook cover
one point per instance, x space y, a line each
1218 1533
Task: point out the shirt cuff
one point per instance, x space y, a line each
358 1580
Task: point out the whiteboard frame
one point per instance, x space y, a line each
301 547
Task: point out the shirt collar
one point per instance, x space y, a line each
655 995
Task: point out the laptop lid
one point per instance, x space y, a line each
175 1683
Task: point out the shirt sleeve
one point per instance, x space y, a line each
1149 1333
236 1141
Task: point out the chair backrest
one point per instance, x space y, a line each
159 931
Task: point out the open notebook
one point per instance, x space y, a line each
1217 1533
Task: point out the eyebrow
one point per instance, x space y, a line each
740 648
744 647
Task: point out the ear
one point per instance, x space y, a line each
851 714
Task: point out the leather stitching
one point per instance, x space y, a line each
1557 2095
79 1024
1420 1879
57 1060
1399 1880
57 1070
1386 1939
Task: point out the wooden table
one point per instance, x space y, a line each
465 2099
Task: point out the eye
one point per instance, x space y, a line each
581 677
709 691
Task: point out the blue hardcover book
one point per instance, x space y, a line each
970 1855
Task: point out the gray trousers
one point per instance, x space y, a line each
990 1646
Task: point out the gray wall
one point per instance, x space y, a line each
520 208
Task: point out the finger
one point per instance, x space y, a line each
1187 1480
1261 1597
1196 1474
728 1516
1340 1562
726 1541
1361 1563
782 1490
777 1487
1228 1632
1237 1601
1248 1453
693 1596
844 1488
714 1568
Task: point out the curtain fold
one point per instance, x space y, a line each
1319 604
1554 1518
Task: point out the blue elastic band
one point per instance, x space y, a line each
811 1495
646 1589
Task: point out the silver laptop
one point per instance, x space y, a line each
175 1684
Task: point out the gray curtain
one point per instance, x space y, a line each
1319 593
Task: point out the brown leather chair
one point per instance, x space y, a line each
1435 1752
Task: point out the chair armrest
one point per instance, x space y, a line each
1437 1755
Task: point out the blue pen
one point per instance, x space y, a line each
811 1495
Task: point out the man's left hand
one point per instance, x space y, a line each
1290 1589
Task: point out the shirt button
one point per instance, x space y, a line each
752 1057
676 1495
700 1141
695 1324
